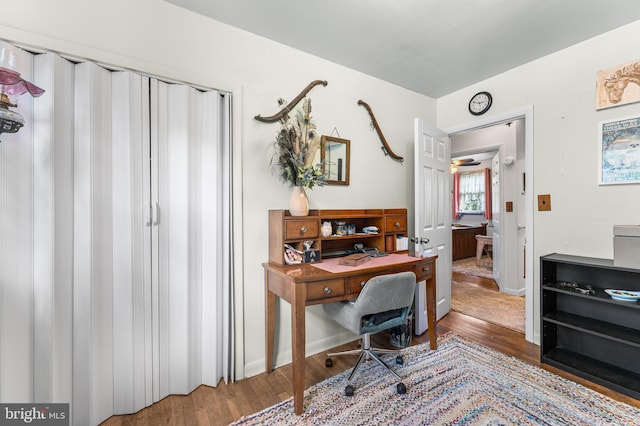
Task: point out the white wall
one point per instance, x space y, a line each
561 88
161 39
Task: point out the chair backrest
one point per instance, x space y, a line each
386 292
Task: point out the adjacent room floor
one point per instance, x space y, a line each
475 293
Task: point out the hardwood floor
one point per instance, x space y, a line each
208 406
481 298
482 282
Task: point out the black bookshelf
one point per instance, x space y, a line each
584 330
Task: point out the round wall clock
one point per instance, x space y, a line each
480 103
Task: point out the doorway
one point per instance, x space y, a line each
477 285
515 197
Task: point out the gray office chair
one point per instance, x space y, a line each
384 302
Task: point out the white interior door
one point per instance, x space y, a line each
433 205
496 215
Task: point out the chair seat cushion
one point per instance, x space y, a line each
377 319
384 321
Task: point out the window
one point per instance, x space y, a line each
472 192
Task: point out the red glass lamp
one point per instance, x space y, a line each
12 86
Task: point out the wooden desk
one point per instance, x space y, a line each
307 285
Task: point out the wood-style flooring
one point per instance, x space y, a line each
208 406
486 283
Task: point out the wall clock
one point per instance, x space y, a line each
480 103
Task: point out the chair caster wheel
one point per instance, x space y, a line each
399 360
348 390
402 389
328 363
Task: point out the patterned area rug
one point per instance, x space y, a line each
459 383
468 266
489 305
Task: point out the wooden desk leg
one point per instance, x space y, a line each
270 323
298 297
431 310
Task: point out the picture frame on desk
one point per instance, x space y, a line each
311 256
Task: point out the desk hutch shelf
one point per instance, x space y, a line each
590 335
295 230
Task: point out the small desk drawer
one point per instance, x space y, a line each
355 284
424 270
302 228
325 289
396 224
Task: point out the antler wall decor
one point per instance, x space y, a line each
291 104
385 146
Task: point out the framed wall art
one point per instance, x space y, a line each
619 85
619 151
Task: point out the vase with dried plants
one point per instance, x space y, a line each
296 146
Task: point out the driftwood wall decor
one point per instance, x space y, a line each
385 146
285 110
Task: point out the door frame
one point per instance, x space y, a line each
525 113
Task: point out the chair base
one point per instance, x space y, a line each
368 353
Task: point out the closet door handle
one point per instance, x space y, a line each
155 212
149 215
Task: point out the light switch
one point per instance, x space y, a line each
509 206
544 202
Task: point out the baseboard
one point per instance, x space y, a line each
519 292
284 357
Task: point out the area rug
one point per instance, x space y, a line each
460 383
468 266
489 305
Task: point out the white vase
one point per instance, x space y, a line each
298 203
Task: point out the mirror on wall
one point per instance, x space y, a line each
335 156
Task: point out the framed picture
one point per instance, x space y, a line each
619 151
613 88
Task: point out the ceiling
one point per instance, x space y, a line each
433 47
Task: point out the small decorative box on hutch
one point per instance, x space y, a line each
585 330
383 230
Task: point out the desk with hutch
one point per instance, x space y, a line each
306 284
